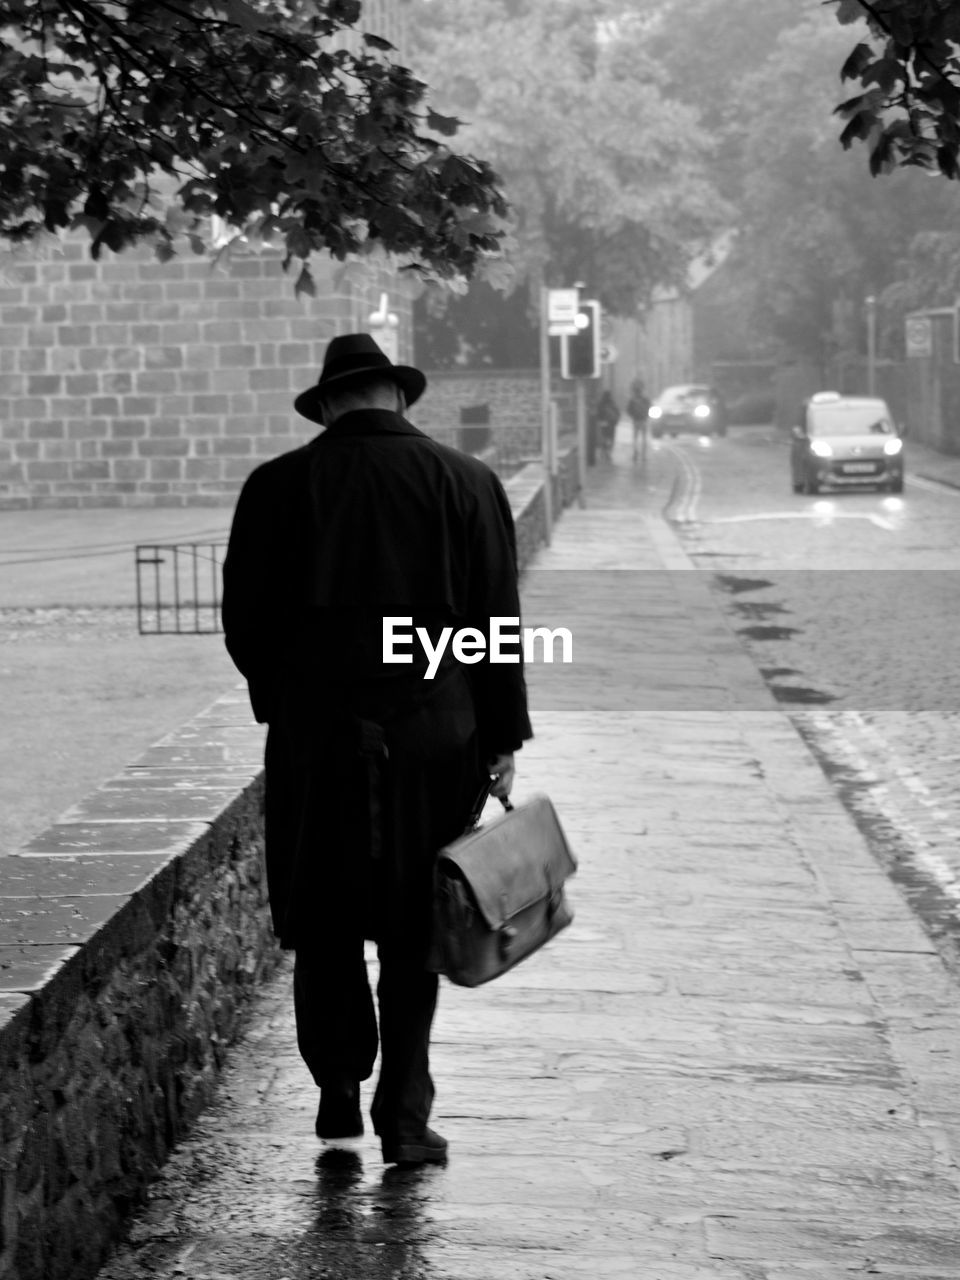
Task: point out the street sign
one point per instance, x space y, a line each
387 339
919 335
562 306
562 330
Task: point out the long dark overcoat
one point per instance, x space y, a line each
370 767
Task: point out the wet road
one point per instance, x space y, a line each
848 602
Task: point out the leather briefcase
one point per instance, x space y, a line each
498 893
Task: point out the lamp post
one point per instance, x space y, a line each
870 303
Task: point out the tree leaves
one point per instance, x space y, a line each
305 283
447 125
859 60
254 106
912 61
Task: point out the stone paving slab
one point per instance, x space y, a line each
741 1061
137 837
39 921
28 967
78 875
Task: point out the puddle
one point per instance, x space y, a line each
733 584
798 694
768 632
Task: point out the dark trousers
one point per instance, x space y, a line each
337 1026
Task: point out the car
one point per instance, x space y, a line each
687 407
845 442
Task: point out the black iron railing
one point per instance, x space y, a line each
178 588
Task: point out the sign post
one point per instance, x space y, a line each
545 408
581 393
385 329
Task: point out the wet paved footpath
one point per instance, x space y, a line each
742 1062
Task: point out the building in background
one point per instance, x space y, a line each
132 382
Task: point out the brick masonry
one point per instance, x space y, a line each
134 933
512 397
129 382
133 382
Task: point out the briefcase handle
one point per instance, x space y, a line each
481 800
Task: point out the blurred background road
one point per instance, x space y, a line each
82 692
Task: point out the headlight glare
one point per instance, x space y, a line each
702 411
654 411
821 448
892 447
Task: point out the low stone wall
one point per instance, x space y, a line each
566 483
134 933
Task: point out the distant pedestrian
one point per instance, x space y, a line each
371 766
638 406
606 416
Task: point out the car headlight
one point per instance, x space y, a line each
892 447
702 411
821 448
654 411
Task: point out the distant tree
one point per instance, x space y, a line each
138 118
818 234
707 74
483 326
927 274
606 174
908 65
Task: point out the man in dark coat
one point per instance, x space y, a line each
371 765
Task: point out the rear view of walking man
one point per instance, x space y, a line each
370 766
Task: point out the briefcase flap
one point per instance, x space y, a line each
518 858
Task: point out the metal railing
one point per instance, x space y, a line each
178 588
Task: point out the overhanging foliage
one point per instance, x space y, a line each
137 119
909 69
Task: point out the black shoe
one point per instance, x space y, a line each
338 1115
427 1148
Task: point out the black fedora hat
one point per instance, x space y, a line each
352 357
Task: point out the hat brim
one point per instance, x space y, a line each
411 382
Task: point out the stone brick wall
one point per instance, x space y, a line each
513 396
133 935
566 483
131 382
526 492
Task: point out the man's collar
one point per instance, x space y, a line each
372 422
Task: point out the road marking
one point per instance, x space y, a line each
692 488
692 485
880 521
